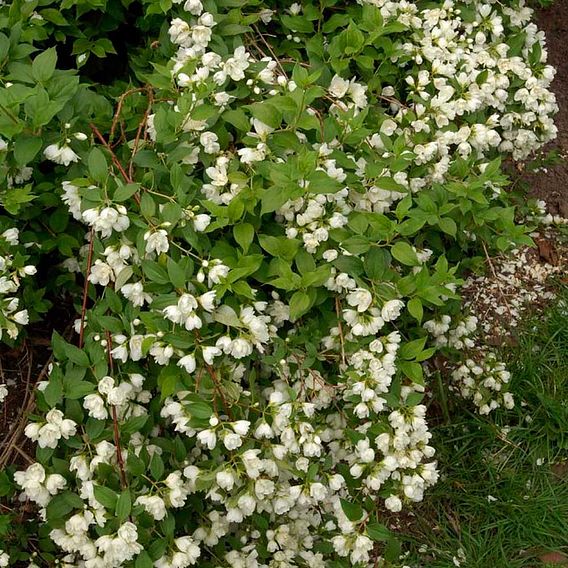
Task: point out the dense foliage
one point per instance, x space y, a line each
269 206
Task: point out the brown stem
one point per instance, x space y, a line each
116 116
141 128
86 288
340 328
115 160
120 461
219 390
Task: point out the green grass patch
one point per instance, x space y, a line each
503 495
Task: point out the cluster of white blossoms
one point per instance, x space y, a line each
293 398
37 485
480 376
12 270
484 382
47 434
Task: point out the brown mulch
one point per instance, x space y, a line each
552 186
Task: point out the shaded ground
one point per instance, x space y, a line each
553 185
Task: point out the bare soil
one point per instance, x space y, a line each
552 186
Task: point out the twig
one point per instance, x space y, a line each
86 288
219 390
115 160
141 128
116 116
340 328
120 461
271 51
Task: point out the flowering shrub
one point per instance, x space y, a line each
270 214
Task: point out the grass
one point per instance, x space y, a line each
502 501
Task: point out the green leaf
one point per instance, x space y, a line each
123 506
155 272
176 274
135 465
53 393
105 496
26 148
413 371
416 309
76 355
156 467
62 504
200 410
237 118
123 192
98 167
353 511
147 205
412 349
266 113
244 235
143 560
378 532
405 254
299 304
279 247
377 262
448 225
43 65
78 389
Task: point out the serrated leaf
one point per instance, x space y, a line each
76 355
105 496
26 148
123 506
62 504
299 304
416 309
123 192
43 65
405 254
244 235
98 167
227 316
353 511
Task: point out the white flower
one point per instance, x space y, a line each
391 310
393 503
209 353
3 392
156 241
188 363
338 87
232 441
241 427
11 235
60 154
101 273
135 294
194 7
207 300
153 505
201 222
209 141
95 405
21 317
360 298
217 272
4 557
48 436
